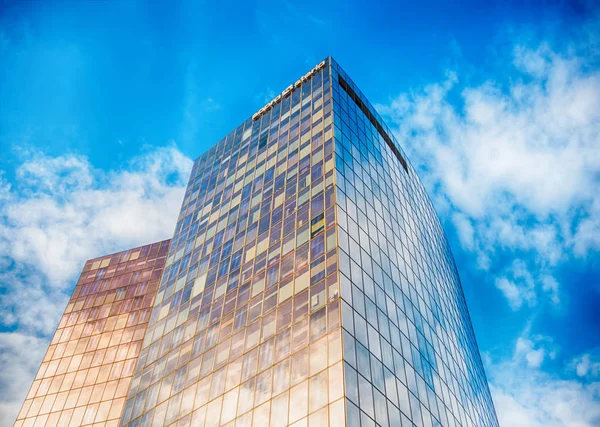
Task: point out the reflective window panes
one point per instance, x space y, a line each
308 283
246 327
86 372
410 356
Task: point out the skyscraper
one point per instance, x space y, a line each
309 282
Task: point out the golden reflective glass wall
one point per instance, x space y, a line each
246 325
86 372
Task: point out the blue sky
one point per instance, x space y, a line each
103 104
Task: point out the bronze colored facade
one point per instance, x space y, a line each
85 375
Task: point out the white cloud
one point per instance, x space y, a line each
540 400
62 212
465 229
518 285
586 365
531 351
550 286
196 104
587 234
513 162
511 291
20 356
526 350
65 211
525 396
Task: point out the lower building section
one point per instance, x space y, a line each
86 372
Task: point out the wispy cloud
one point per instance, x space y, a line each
265 96
526 397
586 365
20 357
196 106
520 287
514 164
62 212
299 14
534 350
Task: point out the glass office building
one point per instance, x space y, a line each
308 282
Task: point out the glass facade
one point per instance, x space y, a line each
85 374
246 326
410 355
308 283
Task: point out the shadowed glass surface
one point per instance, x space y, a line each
409 350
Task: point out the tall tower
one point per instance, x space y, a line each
308 282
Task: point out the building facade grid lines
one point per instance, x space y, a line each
85 375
